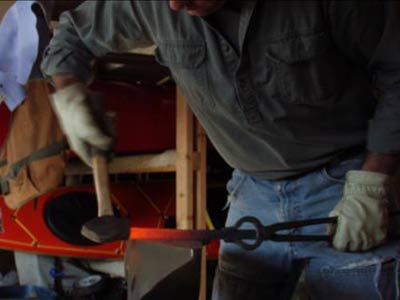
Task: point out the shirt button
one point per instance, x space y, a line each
244 86
267 75
226 48
242 83
254 117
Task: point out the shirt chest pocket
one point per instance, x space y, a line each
306 69
187 63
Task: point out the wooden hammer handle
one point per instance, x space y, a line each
102 185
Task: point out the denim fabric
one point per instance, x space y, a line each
272 270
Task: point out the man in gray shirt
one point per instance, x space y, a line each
302 98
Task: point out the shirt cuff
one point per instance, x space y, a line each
64 61
384 136
384 128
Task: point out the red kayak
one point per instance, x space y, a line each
51 223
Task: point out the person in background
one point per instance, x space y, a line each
301 98
25 32
34 140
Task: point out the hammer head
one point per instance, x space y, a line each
106 229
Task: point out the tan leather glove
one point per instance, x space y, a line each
362 212
83 124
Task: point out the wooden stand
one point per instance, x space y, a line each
191 185
188 161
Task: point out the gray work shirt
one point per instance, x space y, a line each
298 90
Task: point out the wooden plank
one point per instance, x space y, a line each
134 164
201 177
184 164
201 200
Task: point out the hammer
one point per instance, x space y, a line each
106 227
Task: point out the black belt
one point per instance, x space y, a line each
347 154
342 155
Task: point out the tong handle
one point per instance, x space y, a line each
261 233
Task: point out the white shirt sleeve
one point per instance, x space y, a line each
18 51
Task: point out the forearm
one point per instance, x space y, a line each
90 31
381 163
367 33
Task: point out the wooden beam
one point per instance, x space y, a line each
201 177
134 164
201 200
184 164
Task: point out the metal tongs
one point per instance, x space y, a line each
248 239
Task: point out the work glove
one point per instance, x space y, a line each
82 120
362 212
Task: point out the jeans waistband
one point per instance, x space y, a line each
347 154
341 156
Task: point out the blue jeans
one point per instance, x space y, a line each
272 271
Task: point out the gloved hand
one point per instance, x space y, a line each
83 124
362 212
